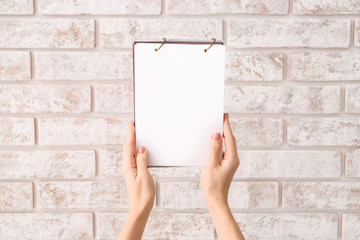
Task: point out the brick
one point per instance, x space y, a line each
321 195
282 99
352 98
159 226
357 33
323 66
242 195
82 131
249 66
43 226
47 164
352 164
323 131
45 99
257 131
226 7
46 33
15 66
15 196
82 194
350 226
17 131
83 7
83 65
179 172
110 162
274 226
121 33
314 33
326 7
289 164
114 98
18 7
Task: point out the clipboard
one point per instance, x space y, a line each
175 126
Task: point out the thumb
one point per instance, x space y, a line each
215 148
142 160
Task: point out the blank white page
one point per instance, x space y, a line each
179 98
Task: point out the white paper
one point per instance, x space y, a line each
179 98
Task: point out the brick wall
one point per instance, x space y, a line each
292 91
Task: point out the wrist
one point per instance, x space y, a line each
216 203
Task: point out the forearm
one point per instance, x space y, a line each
134 226
225 224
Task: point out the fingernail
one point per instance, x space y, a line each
141 149
216 136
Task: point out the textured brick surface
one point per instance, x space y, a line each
113 7
46 33
160 226
357 33
84 194
16 196
326 7
323 66
118 98
352 98
46 226
242 66
289 164
351 226
317 33
17 131
324 131
122 32
15 66
275 226
196 7
82 131
352 165
47 163
244 195
45 99
278 99
20 7
83 65
321 195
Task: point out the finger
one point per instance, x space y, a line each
142 160
130 147
215 149
229 139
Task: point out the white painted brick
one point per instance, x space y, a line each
159 226
18 7
321 195
350 226
352 98
110 162
254 66
15 66
83 65
323 66
197 7
44 226
82 131
282 99
17 131
112 7
357 33
326 7
352 164
275 226
82 194
46 33
45 99
323 131
257 131
179 172
115 98
16 196
47 164
289 164
242 195
314 33
121 33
